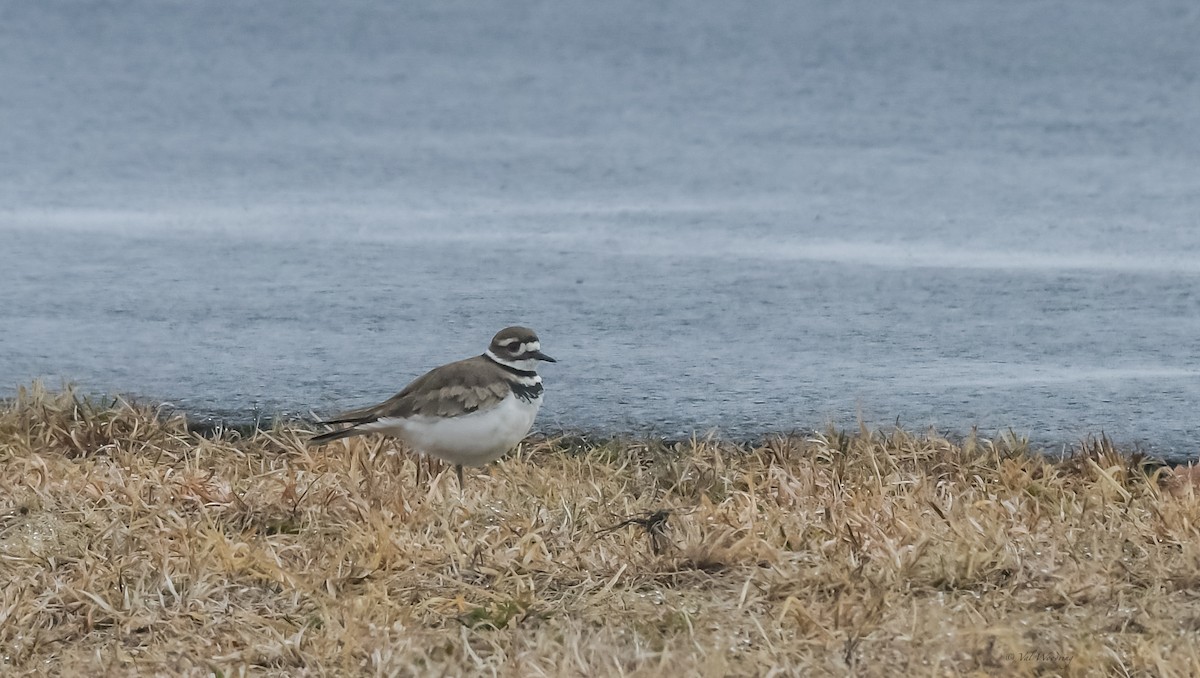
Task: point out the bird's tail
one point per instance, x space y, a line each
353 417
323 438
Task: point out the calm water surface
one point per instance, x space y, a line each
946 214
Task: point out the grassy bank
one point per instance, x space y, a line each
129 546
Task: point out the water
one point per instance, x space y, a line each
944 214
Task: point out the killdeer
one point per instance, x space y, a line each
467 412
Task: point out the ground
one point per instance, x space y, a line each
131 545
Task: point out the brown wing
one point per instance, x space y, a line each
448 391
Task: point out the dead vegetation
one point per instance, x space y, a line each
130 546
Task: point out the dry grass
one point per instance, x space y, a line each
129 546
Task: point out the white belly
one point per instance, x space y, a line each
471 439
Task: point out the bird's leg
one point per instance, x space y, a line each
458 468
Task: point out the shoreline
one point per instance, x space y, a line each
211 423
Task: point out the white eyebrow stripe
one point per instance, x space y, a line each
523 364
506 342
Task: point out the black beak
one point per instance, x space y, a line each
538 355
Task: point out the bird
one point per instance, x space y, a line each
469 412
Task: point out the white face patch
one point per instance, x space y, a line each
526 364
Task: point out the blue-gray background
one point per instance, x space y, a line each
756 217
